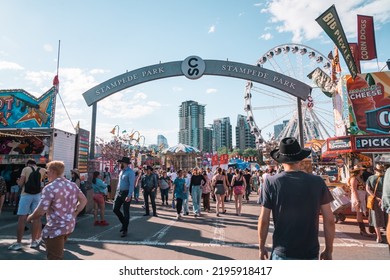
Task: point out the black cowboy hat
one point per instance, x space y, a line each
289 151
148 167
124 160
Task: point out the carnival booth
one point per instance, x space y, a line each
26 131
181 156
362 122
362 119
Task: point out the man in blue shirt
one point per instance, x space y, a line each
124 193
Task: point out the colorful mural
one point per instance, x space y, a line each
19 109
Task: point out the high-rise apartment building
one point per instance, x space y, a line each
222 134
191 124
278 128
162 142
244 138
208 140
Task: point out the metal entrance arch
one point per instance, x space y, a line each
194 67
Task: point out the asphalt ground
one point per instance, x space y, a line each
228 237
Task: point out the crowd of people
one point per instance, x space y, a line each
285 192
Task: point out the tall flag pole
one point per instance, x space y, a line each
56 81
56 85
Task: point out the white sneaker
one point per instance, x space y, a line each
15 247
35 244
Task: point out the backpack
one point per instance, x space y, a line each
33 184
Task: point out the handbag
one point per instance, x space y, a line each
371 198
173 203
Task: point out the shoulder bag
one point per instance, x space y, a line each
371 198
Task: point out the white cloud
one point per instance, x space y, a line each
127 105
48 47
154 104
372 66
140 96
98 71
301 15
212 29
177 89
258 4
39 78
266 36
7 65
211 90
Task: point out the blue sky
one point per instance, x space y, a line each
103 39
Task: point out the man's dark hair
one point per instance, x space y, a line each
31 161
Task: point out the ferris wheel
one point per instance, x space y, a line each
276 111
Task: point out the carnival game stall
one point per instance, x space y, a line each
25 130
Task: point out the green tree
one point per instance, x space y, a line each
250 152
222 150
235 152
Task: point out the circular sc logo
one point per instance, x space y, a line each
193 67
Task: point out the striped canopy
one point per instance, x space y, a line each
182 148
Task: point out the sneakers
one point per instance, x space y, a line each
15 247
35 244
96 223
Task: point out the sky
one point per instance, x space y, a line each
103 39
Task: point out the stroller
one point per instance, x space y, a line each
340 203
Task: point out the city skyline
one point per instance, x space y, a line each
112 38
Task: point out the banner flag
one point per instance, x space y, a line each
330 23
355 54
336 61
224 159
366 37
214 160
323 81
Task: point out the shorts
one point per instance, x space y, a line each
239 190
98 198
363 204
28 203
219 189
14 189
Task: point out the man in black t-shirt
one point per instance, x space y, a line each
247 176
230 175
296 199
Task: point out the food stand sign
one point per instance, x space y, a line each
339 144
377 143
368 103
